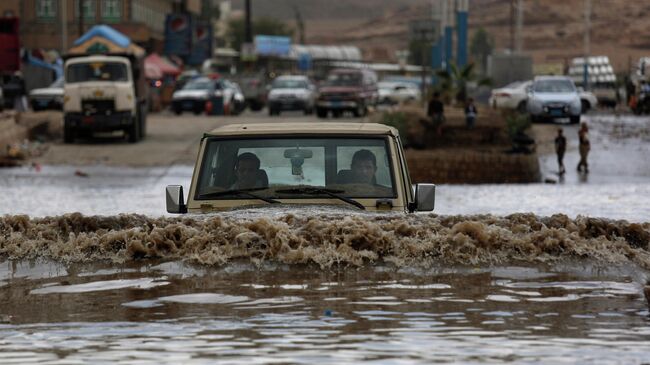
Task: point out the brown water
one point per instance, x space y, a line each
323 287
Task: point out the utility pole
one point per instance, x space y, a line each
81 17
512 25
64 26
249 29
520 26
587 40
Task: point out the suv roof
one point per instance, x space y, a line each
302 128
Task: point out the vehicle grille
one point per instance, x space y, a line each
97 106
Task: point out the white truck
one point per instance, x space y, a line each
104 93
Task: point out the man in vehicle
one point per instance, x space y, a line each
248 173
363 167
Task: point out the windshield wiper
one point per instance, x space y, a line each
240 192
329 192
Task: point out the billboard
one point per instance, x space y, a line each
178 35
201 43
267 45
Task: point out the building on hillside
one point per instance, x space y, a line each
42 21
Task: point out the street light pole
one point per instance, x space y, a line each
587 45
64 26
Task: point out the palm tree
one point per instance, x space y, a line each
455 81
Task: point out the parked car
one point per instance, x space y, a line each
50 97
392 92
254 88
193 96
301 165
351 90
552 97
291 93
512 96
588 100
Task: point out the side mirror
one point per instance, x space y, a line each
174 197
425 197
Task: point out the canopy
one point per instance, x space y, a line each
163 65
152 71
104 39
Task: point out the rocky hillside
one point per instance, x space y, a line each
553 29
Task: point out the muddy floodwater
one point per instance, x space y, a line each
93 271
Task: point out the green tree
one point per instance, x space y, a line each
455 81
481 47
261 26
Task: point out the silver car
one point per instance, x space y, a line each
551 97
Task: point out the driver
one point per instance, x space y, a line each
247 171
363 167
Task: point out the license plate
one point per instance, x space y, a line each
556 113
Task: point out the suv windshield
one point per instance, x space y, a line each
279 168
198 84
554 86
96 71
344 79
289 84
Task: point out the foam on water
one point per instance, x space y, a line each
326 238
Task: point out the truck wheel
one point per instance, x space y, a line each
68 135
321 113
134 131
575 119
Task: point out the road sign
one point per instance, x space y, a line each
424 29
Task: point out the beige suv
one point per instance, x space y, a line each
358 165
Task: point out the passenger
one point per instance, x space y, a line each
560 148
248 173
363 167
584 148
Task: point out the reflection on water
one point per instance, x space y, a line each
295 314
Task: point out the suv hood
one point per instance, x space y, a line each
559 97
190 94
339 89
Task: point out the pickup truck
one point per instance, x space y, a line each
358 165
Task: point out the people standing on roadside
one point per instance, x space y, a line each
470 113
583 148
560 148
436 112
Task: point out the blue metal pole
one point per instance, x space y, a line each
461 28
436 60
449 55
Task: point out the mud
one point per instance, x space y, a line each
326 239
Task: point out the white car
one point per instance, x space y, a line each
515 95
291 93
393 92
512 96
551 97
50 97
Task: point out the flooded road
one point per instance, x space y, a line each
500 274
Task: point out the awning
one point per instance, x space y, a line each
152 71
163 65
104 39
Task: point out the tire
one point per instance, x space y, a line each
522 107
575 119
256 106
585 106
321 113
68 135
134 131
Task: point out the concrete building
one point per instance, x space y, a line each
42 21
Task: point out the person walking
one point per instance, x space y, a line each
436 112
584 148
470 113
560 148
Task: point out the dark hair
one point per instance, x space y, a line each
364 155
248 156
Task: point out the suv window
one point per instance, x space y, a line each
355 167
344 79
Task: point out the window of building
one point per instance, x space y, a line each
46 9
89 10
111 10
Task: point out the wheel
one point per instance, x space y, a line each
321 113
255 105
134 131
575 119
521 107
68 135
585 106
